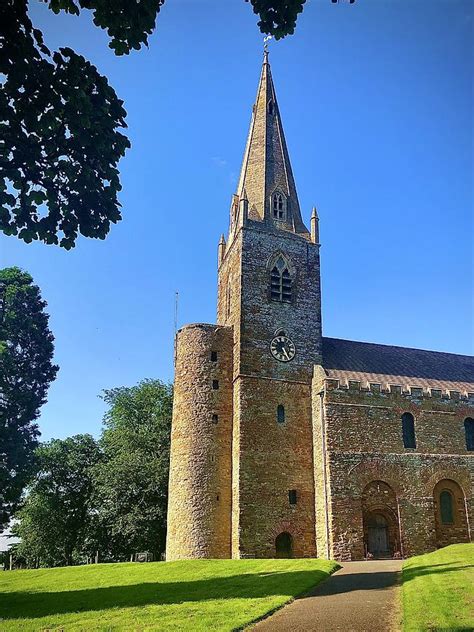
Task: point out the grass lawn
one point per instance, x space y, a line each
438 590
186 595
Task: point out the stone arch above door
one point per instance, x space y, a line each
380 519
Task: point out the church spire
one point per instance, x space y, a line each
266 175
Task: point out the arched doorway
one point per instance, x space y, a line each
380 520
284 545
450 513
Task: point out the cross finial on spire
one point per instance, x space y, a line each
266 39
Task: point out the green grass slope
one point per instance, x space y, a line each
438 590
187 595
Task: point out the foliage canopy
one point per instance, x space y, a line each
108 496
26 371
60 120
131 482
54 522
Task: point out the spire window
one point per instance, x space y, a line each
279 206
281 281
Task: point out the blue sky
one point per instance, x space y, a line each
376 100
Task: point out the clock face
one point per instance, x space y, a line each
282 348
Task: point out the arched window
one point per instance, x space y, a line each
281 414
280 281
469 430
446 507
278 205
408 430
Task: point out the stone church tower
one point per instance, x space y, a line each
242 439
270 419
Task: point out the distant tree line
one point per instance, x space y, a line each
105 498
71 499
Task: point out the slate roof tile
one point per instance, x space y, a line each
386 364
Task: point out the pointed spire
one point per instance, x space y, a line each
221 249
266 165
314 226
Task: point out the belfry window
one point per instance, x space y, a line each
278 205
280 282
446 507
408 430
469 430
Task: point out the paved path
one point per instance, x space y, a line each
361 597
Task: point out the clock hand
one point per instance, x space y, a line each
286 353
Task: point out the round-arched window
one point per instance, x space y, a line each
446 507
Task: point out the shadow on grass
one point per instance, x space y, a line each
22 605
419 571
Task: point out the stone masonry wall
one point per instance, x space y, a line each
274 458
270 459
364 443
199 509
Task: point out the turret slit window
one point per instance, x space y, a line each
281 282
469 430
227 299
446 507
278 205
408 430
292 496
280 414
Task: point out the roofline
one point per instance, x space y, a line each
380 344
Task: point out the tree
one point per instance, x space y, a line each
26 371
55 519
131 483
60 142
277 17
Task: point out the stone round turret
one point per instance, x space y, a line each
200 485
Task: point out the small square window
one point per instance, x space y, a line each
215 384
292 496
213 356
215 418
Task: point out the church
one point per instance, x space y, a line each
286 443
